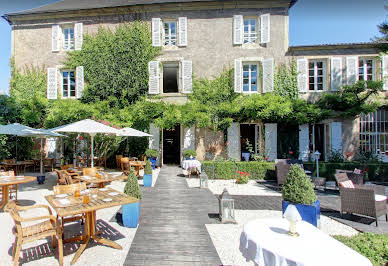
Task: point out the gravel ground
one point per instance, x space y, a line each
226 237
251 188
41 252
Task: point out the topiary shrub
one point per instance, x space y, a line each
188 153
298 187
148 168
132 187
152 153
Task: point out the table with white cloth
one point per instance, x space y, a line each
266 242
189 165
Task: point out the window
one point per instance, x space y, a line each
250 30
68 38
170 77
68 84
374 132
250 77
169 33
317 78
365 69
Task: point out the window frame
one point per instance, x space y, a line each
169 21
68 84
374 129
249 33
316 76
71 41
364 59
250 63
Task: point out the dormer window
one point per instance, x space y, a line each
68 38
169 36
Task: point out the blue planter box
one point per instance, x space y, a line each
147 180
309 213
131 214
153 162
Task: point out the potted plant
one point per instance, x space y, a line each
189 154
147 178
152 155
131 212
299 191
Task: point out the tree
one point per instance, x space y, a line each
383 29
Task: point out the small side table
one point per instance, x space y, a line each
319 183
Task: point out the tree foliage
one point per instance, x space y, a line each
286 81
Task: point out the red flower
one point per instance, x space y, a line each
291 152
243 173
93 117
81 138
366 170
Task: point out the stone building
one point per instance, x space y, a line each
204 37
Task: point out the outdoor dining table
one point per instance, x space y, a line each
6 181
266 242
69 205
137 165
17 167
100 181
188 165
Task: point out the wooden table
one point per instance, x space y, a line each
137 165
96 203
6 181
99 181
16 167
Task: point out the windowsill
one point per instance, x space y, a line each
170 47
251 45
249 92
172 94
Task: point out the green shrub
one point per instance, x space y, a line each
298 187
226 169
372 246
188 153
148 168
151 153
132 187
242 179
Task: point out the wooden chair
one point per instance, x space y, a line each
70 189
123 160
48 164
25 234
61 174
67 166
91 171
118 161
101 161
13 189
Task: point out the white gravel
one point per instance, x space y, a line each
41 252
251 188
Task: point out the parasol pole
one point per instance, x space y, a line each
91 149
41 156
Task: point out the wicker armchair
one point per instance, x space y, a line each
282 168
357 179
362 199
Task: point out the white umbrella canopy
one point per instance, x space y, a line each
130 132
87 126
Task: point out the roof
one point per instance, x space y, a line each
74 5
338 45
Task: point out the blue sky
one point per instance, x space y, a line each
311 22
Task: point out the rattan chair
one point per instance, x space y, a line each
13 189
356 178
362 199
61 174
25 234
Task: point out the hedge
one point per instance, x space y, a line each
226 169
375 172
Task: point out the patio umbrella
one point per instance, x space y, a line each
130 132
87 126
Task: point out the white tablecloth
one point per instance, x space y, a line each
266 242
190 164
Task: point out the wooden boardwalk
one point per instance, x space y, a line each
172 227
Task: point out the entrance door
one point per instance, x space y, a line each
171 145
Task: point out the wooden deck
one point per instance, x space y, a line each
172 227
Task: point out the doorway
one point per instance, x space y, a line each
248 140
318 140
170 77
171 145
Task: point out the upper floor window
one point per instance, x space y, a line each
365 69
169 36
68 38
68 84
317 77
250 73
250 30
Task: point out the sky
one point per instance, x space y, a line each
311 22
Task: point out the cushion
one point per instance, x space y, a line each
347 184
380 197
357 171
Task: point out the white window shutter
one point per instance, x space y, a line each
336 73
304 142
271 141
268 66
189 138
238 29
79 81
55 40
153 84
302 68
384 71
351 69
156 34
52 83
182 31
265 28
154 140
187 76
336 136
237 75
78 36
233 139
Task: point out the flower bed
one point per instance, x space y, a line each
226 169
